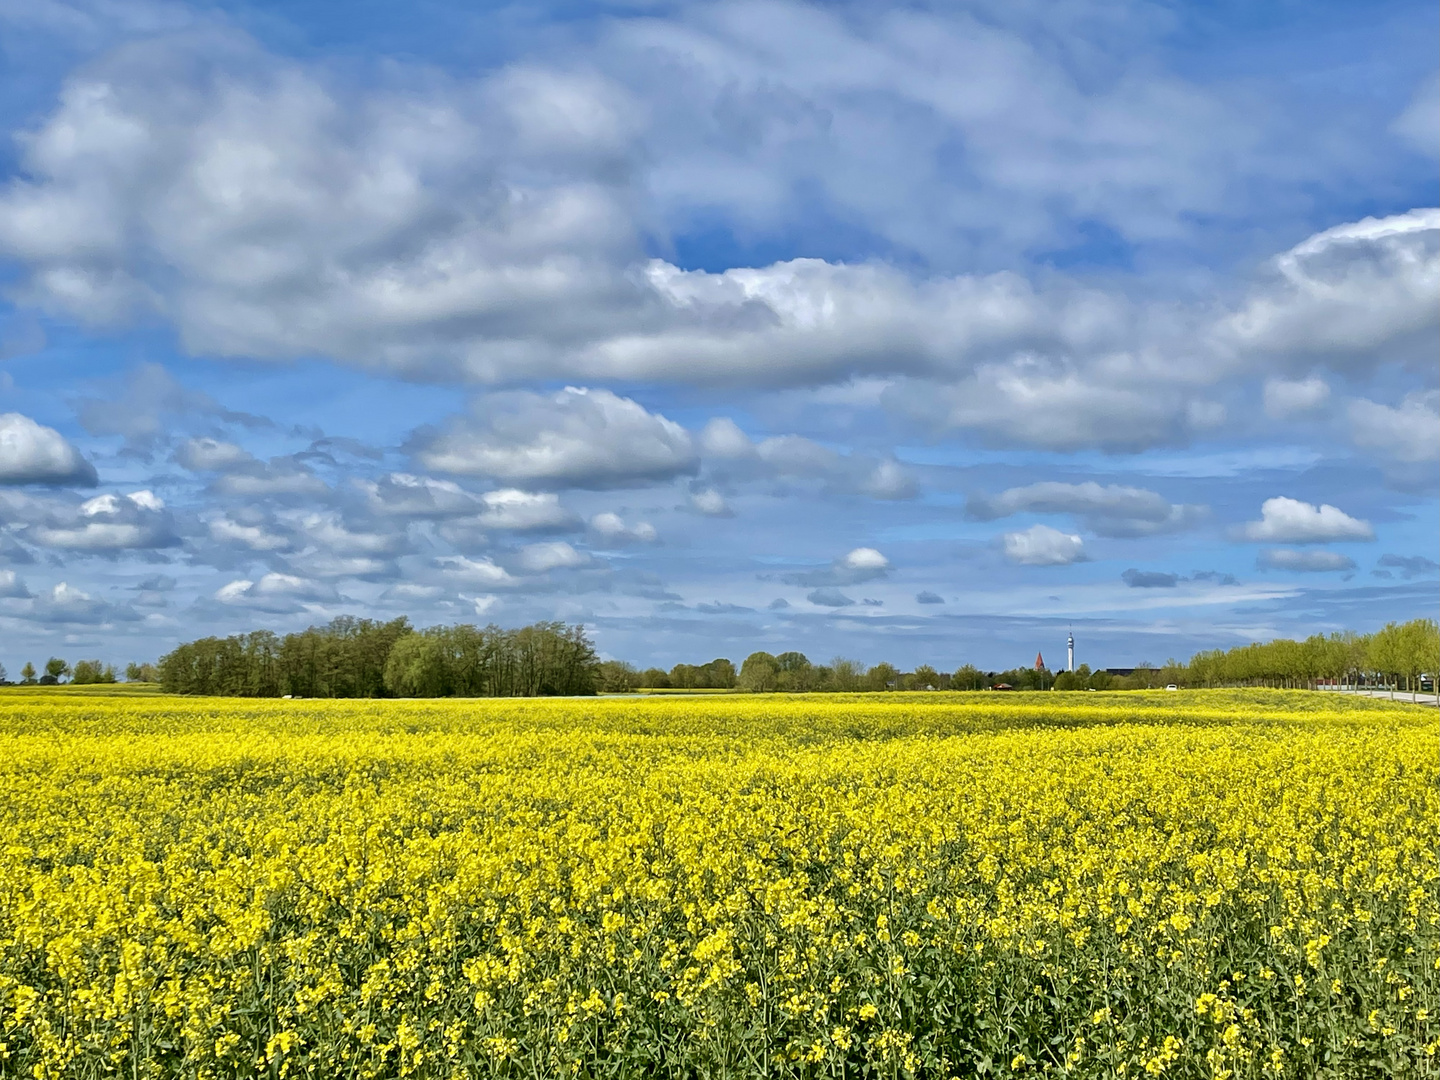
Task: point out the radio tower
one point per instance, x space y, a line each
1070 647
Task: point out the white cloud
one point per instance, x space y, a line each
482 605
761 107
1304 561
277 478
31 453
466 571
612 529
487 231
574 438
865 559
66 604
551 555
255 537
1346 293
410 592
1056 406
512 509
730 453
1410 433
330 533
405 495
721 437
1289 521
711 503
1285 398
212 455
269 213
854 567
110 523
276 594
11 587
1107 510
492 230
1041 545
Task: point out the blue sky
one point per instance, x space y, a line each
897 332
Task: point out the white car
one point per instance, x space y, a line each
1172 686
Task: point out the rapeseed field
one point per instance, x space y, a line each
1211 884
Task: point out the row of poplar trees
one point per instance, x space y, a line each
363 658
1396 655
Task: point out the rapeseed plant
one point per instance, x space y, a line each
1216 884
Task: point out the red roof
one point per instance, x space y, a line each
1039 662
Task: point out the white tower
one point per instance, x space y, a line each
1070 647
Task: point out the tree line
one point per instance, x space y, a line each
352 657
1394 656
364 658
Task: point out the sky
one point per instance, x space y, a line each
902 332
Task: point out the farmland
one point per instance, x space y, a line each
1197 884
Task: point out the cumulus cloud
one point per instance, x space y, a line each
928 597
212 455
31 453
254 536
492 227
11 587
471 226
612 529
472 572
1303 561
1285 398
514 510
492 230
280 477
1349 291
575 438
411 592
109 523
333 536
406 495
1289 521
729 452
277 594
829 597
551 555
1040 545
67 604
711 503
1410 433
1106 510
1056 405
855 566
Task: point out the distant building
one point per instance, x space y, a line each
1070 652
1039 662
